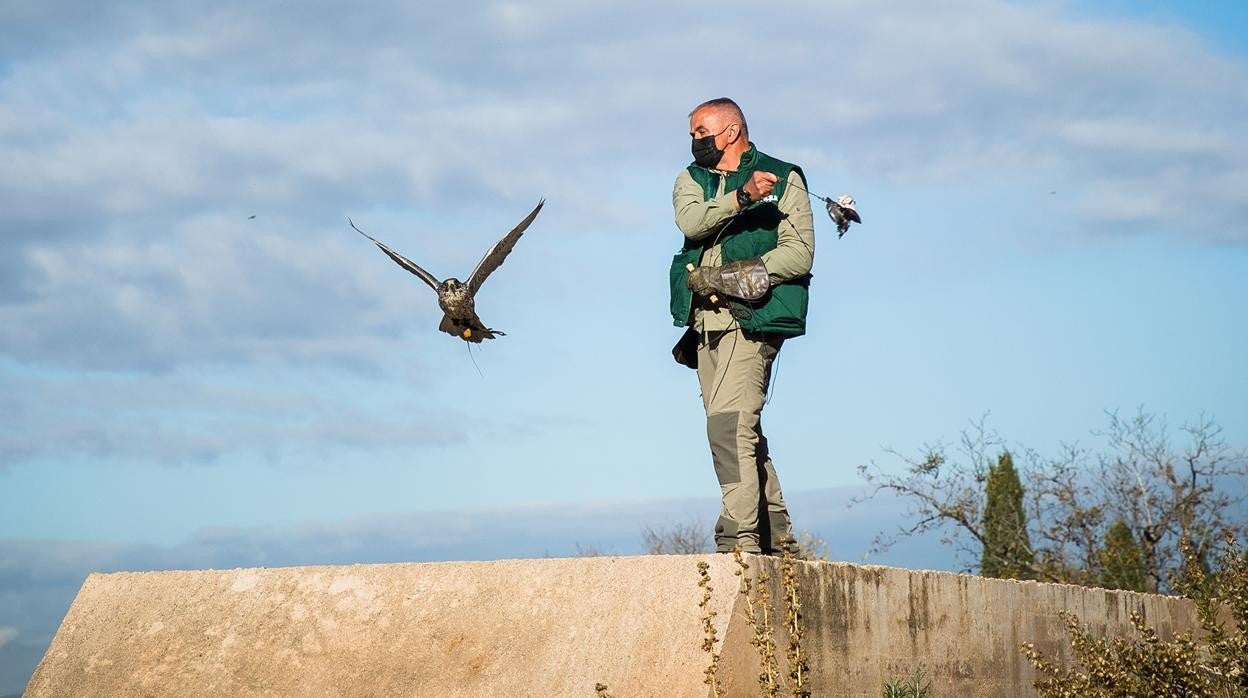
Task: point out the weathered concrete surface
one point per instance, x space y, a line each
551 627
864 624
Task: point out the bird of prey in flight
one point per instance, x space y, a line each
455 297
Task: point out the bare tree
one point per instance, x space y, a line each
811 547
689 538
694 538
1168 495
588 550
1162 492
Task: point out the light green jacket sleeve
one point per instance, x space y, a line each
696 218
795 246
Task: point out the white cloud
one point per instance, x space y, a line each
7 634
208 112
137 144
190 418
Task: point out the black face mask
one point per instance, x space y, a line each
705 154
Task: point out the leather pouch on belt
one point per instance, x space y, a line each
686 350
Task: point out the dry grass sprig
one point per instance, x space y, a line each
747 588
758 610
765 638
798 666
708 627
757 603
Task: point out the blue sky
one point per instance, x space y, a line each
1055 204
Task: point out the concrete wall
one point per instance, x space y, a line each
551 627
865 624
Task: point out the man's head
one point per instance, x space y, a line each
719 132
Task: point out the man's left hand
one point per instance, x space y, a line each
700 280
745 279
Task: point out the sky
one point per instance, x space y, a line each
1055 224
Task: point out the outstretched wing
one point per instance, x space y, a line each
842 211
403 261
494 258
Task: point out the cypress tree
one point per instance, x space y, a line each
1007 547
1122 565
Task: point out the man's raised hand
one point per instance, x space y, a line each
760 184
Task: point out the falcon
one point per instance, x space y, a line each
455 297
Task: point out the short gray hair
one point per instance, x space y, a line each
725 103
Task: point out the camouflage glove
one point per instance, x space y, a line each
746 279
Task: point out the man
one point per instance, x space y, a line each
740 284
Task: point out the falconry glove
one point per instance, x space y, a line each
746 279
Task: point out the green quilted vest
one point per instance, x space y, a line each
748 235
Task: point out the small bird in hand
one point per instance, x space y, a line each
456 298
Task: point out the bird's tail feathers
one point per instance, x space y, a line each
473 332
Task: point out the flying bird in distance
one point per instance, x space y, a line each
455 297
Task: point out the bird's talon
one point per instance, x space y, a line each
467 332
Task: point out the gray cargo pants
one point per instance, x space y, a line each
734 370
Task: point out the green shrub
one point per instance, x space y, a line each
1213 663
915 685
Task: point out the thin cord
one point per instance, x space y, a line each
734 319
821 198
775 378
473 359
830 203
739 311
726 364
